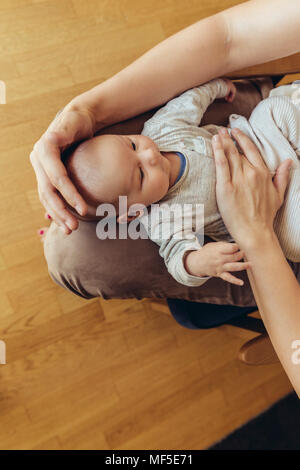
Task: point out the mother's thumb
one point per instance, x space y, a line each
281 177
57 138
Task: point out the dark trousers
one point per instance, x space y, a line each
196 315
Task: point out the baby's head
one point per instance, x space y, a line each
108 166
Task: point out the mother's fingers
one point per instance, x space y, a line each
281 178
222 166
249 149
49 156
231 152
53 203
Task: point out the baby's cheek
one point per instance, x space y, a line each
162 187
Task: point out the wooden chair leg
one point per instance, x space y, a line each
258 351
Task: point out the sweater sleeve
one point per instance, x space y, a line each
174 254
174 242
188 108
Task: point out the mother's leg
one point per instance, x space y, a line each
90 267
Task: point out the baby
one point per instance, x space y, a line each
171 162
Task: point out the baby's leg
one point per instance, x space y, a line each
279 113
277 122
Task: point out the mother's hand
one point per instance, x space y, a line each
247 196
54 186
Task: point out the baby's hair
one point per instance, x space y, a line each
65 155
92 205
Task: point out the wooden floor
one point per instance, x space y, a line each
98 374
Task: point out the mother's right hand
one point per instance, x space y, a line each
54 186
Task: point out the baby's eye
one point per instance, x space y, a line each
133 145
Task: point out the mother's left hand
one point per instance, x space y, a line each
247 196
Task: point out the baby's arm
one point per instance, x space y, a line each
216 259
165 228
189 107
175 255
190 263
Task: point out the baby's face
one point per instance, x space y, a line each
127 165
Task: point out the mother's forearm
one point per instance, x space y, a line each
277 294
188 58
241 36
261 31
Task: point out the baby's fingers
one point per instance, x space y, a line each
228 247
237 266
235 257
232 279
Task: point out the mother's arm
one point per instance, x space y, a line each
238 37
248 200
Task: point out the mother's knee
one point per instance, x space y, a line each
65 259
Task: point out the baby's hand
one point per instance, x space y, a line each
231 90
217 259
